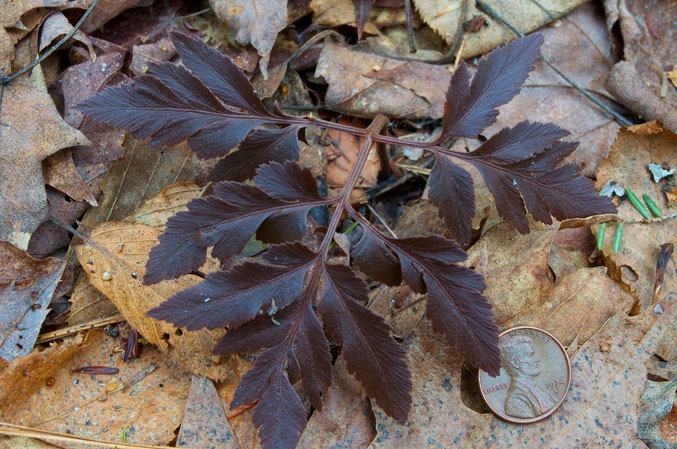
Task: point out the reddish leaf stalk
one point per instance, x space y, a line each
379 122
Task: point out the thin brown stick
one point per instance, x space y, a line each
28 432
61 333
410 26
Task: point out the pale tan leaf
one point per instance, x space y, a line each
257 22
115 264
444 17
170 200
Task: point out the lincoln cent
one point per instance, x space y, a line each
534 377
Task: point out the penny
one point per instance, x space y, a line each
534 377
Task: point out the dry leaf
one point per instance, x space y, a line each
115 262
169 201
26 376
142 173
353 90
515 269
204 424
639 82
23 443
257 22
582 49
46 394
607 374
345 420
57 26
444 16
105 10
88 302
24 143
61 173
635 264
334 13
145 54
340 153
26 289
11 12
222 37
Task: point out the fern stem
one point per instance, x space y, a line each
379 122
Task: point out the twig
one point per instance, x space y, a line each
61 333
619 118
4 80
410 26
383 222
28 432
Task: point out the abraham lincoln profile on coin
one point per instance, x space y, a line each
525 399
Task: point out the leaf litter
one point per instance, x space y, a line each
563 283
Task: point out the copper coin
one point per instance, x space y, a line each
534 378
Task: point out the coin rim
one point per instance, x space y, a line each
552 410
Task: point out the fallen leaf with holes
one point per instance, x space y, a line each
115 262
26 289
345 420
204 424
445 17
257 23
641 80
634 265
607 374
24 143
146 397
